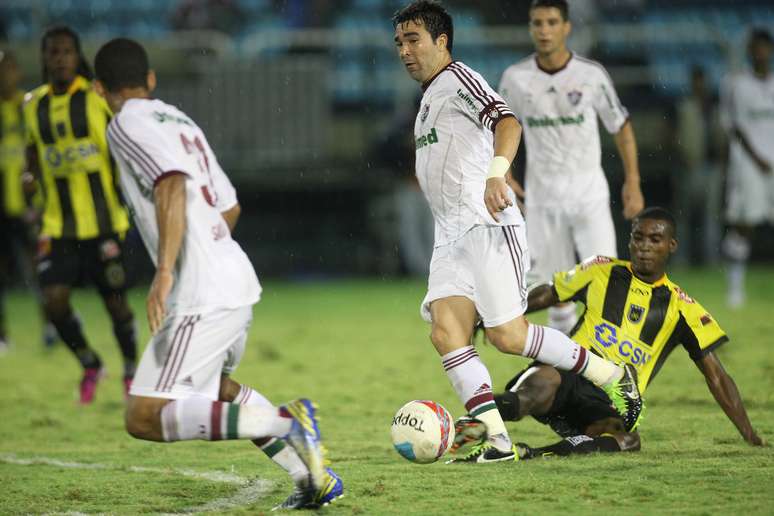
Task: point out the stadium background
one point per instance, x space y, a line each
309 111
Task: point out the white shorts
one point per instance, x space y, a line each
555 234
750 196
190 352
488 265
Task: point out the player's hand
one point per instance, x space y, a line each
157 298
633 202
496 196
518 190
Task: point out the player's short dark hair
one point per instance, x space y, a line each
657 213
564 9
761 35
63 30
433 16
122 63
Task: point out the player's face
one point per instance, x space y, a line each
760 53
421 56
548 29
650 245
61 59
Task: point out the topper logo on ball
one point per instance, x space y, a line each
408 420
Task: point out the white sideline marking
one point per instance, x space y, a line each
250 492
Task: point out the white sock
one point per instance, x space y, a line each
473 384
552 347
202 418
563 317
275 448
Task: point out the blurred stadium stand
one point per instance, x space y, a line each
295 96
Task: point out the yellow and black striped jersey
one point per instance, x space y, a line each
77 173
12 159
628 320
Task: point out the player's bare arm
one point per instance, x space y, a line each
506 141
723 388
169 198
231 216
631 194
541 297
763 165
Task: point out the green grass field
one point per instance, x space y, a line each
360 350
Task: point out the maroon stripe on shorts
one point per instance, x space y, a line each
172 351
185 341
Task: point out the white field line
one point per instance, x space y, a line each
250 491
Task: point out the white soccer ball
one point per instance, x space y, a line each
422 431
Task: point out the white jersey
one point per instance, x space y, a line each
454 139
747 104
558 111
150 139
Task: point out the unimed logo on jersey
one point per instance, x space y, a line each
427 139
545 121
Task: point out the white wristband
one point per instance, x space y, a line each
498 167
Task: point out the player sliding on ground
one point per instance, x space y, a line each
200 301
466 138
634 313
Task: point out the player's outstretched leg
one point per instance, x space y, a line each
551 347
574 445
158 419
282 454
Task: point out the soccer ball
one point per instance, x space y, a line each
422 431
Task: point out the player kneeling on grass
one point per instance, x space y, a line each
634 314
200 301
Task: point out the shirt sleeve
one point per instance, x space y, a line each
571 285
479 99
139 142
225 193
607 104
701 333
507 89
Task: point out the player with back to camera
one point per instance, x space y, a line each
200 302
633 313
747 114
84 219
466 138
558 96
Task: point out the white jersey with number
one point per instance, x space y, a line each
149 140
454 138
558 111
747 104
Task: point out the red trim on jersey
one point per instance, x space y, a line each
427 83
168 173
553 72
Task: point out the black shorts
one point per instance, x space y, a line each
577 404
65 261
14 232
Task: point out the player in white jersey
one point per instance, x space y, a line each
466 138
557 96
200 302
747 114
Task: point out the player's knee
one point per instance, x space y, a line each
142 420
118 307
229 389
537 392
509 337
56 302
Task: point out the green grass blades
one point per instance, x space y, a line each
360 350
